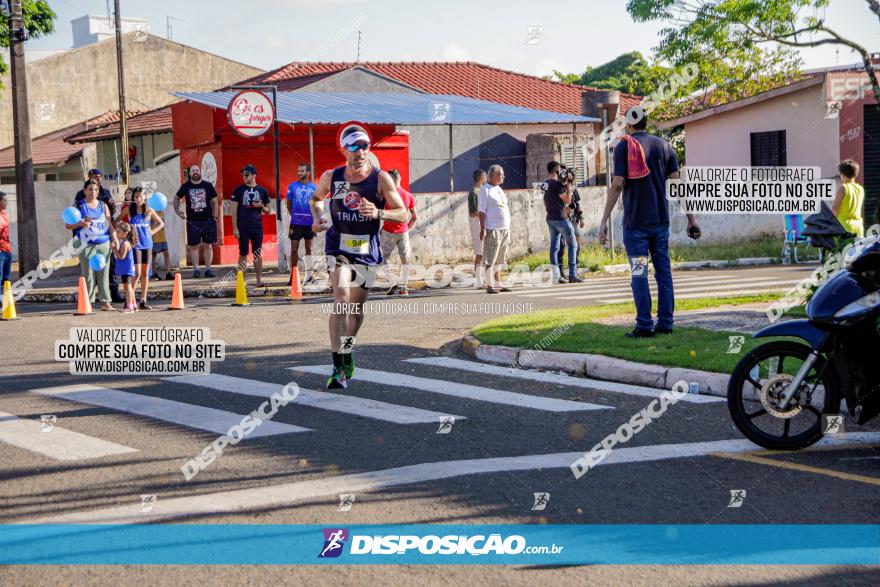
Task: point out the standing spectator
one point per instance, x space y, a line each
299 194
642 164
5 241
201 219
126 240
396 235
249 202
847 204
160 245
94 232
494 228
557 199
474 223
144 222
105 196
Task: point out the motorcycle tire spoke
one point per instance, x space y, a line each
813 409
779 368
754 415
753 382
785 428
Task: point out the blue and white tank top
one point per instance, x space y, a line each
125 266
353 235
99 231
141 223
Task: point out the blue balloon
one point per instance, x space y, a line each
97 262
71 216
157 201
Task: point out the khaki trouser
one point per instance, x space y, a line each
101 281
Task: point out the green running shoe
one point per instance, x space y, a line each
348 365
337 379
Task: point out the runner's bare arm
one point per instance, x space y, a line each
394 208
316 204
234 211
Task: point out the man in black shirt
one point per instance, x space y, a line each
201 218
105 196
557 197
249 202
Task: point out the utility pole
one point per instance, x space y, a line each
28 244
123 127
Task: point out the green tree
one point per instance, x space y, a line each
629 72
39 20
744 46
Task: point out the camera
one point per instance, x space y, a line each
567 176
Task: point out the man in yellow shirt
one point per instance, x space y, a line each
847 205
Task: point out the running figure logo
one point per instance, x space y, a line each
737 497
340 188
638 265
147 503
346 500
334 541
446 423
736 344
440 111
48 422
346 344
541 500
832 424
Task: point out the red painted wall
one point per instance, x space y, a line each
198 129
852 90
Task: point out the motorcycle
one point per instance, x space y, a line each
782 392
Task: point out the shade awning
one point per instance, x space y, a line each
385 108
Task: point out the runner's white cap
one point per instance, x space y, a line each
354 137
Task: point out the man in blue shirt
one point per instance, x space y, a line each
299 194
646 222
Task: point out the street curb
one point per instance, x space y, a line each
714 264
598 367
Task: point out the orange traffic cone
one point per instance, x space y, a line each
177 293
295 288
83 304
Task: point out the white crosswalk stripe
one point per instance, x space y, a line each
56 443
189 415
346 404
679 284
471 392
705 290
556 378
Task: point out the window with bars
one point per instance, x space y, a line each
768 149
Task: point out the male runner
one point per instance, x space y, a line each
361 196
299 196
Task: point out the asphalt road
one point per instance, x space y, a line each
468 475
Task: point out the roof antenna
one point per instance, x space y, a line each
358 60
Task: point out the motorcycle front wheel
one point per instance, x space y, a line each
757 385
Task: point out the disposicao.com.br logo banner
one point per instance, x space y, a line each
474 544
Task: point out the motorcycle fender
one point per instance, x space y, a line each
802 329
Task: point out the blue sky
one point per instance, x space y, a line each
270 33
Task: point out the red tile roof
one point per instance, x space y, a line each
52 149
467 78
141 123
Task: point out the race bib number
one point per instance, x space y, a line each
358 244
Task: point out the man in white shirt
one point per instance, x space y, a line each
494 215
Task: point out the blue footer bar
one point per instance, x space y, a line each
516 544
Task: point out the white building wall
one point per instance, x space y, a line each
724 139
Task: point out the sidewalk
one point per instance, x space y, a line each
747 319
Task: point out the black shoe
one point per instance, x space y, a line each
391 290
640 333
144 305
575 279
662 330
